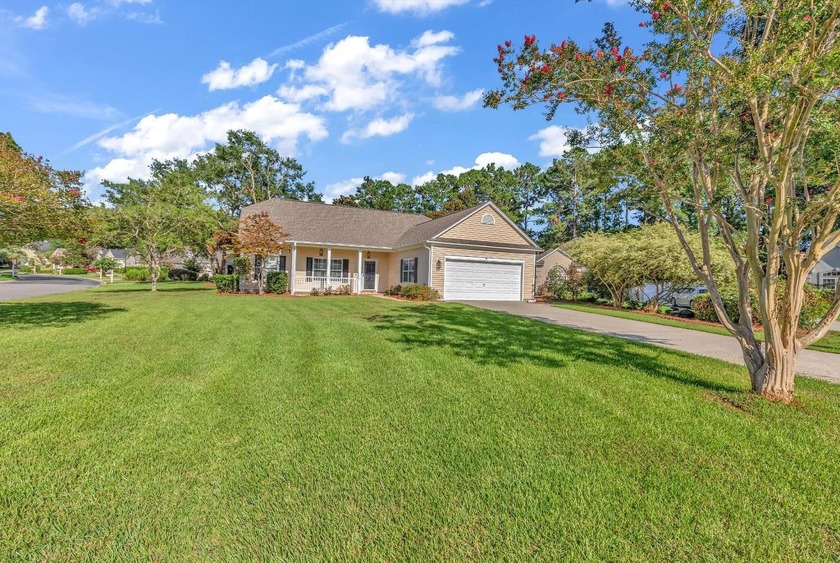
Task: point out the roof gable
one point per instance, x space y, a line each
472 227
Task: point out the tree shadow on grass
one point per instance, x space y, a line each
39 315
147 288
501 339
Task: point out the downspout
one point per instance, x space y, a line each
429 276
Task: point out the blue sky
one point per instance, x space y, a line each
385 88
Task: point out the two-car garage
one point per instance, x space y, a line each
481 279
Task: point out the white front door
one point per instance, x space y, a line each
482 280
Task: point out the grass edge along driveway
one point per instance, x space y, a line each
829 343
186 425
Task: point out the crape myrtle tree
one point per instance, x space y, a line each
167 213
259 236
730 100
37 202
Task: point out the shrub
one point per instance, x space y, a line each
24 269
346 289
73 271
141 273
276 282
226 283
192 265
315 292
703 309
182 274
420 293
814 306
589 297
394 290
632 304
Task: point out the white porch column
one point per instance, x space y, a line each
293 269
329 265
359 280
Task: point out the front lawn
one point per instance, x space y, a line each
828 343
184 425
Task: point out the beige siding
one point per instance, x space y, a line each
552 260
472 228
439 253
422 255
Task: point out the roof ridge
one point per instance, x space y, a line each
412 214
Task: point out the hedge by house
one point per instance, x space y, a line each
182 274
277 282
814 306
141 273
226 283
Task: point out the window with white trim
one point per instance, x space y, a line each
408 270
319 267
335 270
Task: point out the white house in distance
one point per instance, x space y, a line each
824 275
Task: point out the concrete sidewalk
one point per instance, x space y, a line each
39 284
820 365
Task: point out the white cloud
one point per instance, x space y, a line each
36 21
179 136
346 187
430 37
225 78
78 13
417 7
502 159
554 140
380 127
393 177
353 75
458 103
119 2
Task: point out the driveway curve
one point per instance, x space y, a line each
38 285
819 365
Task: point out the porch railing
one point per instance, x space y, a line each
305 284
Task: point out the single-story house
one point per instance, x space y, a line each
555 257
826 272
122 257
474 254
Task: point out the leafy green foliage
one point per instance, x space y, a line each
73 271
246 170
182 274
420 292
226 283
277 282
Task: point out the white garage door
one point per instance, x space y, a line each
488 281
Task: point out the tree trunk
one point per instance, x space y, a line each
775 380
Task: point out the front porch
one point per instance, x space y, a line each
327 267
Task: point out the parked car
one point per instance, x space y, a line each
685 297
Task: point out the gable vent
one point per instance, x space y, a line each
487 219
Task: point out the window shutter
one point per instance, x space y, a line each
345 268
416 262
309 266
402 271
281 263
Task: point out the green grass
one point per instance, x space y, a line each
829 343
190 426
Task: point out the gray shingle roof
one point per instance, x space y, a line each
356 226
337 224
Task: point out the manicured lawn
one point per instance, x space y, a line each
191 426
829 343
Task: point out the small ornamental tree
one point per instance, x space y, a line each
730 101
260 236
105 264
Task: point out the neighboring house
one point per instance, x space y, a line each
478 253
548 260
827 270
122 257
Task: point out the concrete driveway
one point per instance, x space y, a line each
820 365
38 285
